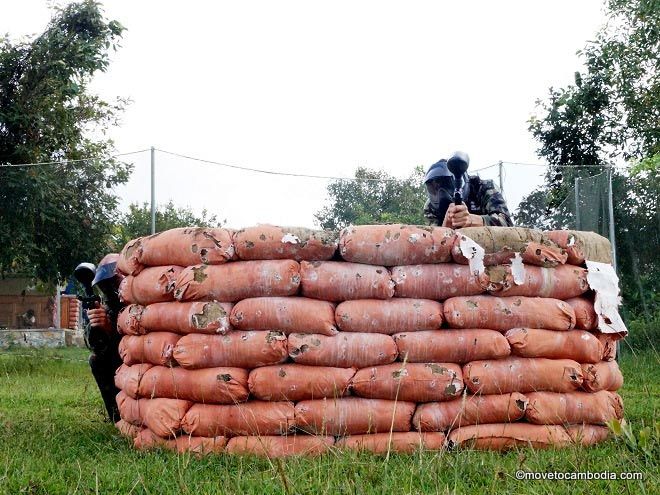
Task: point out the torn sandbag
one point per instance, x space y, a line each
451 346
604 282
183 318
221 385
470 410
270 242
248 418
353 416
389 316
236 349
397 244
414 382
238 280
345 350
581 246
400 441
295 382
342 281
501 244
561 282
285 314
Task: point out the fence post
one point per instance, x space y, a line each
501 170
577 204
153 190
610 207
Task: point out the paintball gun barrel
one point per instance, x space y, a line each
458 165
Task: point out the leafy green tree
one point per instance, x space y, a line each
611 113
54 216
374 197
137 221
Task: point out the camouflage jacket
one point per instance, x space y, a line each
484 199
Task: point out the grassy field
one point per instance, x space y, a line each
53 439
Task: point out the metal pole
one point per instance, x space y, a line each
501 167
610 207
153 190
577 203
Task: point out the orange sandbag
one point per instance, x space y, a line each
396 244
285 314
509 435
451 346
346 350
504 313
402 442
186 246
208 385
128 378
549 408
585 315
280 446
582 246
127 430
128 263
151 285
516 374
269 242
504 436
249 418
502 244
414 382
191 317
129 409
236 349
353 415
437 281
154 348
605 375
469 410
296 382
578 345
608 341
146 440
586 435
342 281
162 416
389 316
239 280
561 282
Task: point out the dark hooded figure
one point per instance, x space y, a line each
483 203
101 334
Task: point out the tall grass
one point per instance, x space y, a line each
53 439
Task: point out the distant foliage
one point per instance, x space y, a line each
137 221
611 113
374 197
53 217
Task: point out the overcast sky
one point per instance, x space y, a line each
325 87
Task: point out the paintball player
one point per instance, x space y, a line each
101 334
482 203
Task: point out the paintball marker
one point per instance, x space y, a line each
458 165
85 273
106 278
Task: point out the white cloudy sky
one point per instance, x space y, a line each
325 87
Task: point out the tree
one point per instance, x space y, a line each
374 197
54 216
137 221
610 113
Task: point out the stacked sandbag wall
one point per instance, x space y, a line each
284 341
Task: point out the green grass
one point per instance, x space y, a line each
53 439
